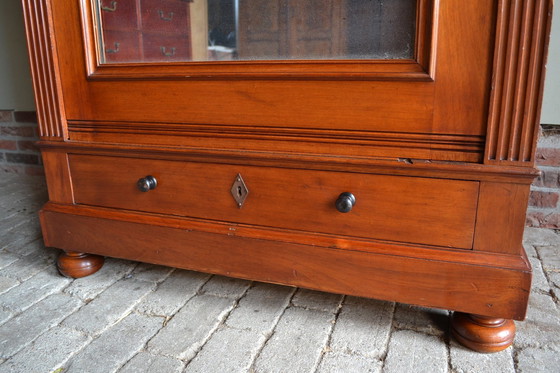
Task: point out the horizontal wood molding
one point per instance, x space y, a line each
44 64
337 242
521 40
366 165
441 279
342 142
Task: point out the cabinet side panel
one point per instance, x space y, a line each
40 41
501 217
520 55
57 173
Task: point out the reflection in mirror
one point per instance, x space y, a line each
218 30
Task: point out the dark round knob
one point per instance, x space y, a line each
345 202
146 184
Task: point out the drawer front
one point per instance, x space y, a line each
122 46
119 15
165 16
396 208
159 47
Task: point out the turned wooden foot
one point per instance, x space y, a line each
76 265
481 333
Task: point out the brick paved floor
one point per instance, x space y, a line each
133 317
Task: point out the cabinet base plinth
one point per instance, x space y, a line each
481 333
76 265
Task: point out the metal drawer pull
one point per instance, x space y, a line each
110 9
146 184
345 202
163 17
167 54
116 50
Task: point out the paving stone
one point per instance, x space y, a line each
542 326
536 360
261 307
173 293
7 283
341 363
191 327
146 362
550 257
116 346
317 300
48 352
531 251
410 351
10 224
151 272
36 247
20 233
33 290
28 266
111 305
24 328
228 287
554 278
297 342
539 280
228 350
540 237
464 360
363 327
4 316
89 287
7 258
424 320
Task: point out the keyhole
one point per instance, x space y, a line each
239 191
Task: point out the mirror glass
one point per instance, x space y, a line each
225 30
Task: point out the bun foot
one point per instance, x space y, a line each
481 333
76 265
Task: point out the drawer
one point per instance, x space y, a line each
119 15
165 16
163 48
396 208
121 46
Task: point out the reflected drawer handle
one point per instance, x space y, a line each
116 50
112 8
146 184
345 202
167 54
163 17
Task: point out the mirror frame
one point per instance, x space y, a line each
420 68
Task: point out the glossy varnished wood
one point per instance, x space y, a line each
438 150
434 282
77 265
286 198
521 43
481 333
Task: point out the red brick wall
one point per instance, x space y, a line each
544 205
18 133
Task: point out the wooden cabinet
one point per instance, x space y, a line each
400 179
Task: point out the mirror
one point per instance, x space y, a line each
133 31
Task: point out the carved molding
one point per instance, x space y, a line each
435 146
43 63
520 52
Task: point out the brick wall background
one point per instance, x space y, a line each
18 154
544 206
18 133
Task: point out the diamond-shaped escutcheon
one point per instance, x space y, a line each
239 191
